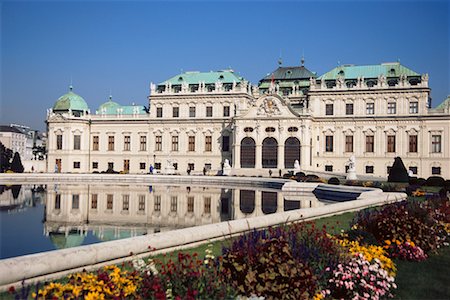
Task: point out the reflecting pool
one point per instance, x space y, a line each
55 216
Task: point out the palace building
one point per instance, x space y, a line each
291 120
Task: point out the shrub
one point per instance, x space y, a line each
312 178
447 184
334 180
300 176
405 251
398 172
186 277
421 181
435 181
402 221
268 269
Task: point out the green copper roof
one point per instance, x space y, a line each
226 76
70 101
370 71
444 103
113 108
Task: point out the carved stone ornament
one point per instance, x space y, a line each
268 107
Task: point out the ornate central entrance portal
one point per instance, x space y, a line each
269 153
291 152
248 149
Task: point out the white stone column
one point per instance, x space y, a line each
280 157
236 156
258 156
258 204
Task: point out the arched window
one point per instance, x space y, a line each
270 129
269 153
269 202
248 149
248 129
293 129
246 201
291 152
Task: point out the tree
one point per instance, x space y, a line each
16 165
398 172
5 158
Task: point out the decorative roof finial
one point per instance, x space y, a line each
110 95
303 60
280 61
70 87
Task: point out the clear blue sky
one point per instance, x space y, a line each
123 46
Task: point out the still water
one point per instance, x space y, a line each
37 218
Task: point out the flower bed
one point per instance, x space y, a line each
297 261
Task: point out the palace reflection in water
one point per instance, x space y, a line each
119 211
37 218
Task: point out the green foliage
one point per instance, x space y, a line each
398 172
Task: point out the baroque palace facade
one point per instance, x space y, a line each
195 121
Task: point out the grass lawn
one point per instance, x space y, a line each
429 279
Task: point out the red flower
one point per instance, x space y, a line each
12 289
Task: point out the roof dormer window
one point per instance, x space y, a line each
221 77
392 72
341 73
180 78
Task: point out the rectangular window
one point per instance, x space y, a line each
111 166
175 143
59 140
413 170
109 201
391 143
142 166
191 146
126 165
173 203
158 143
329 143
436 170
76 164
175 166
143 143
94 201
75 201
225 143
126 143
392 108
157 206
208 143
207 205
125 202
95 143
349 143
349 109
413 107
226 111
190 204
76 142
209 111
58 201
436 144
175 112
370 108
328 168
329 109
159 112
370 143
141 206
369 169
192 112
413 143
191 166
158 166
111 143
